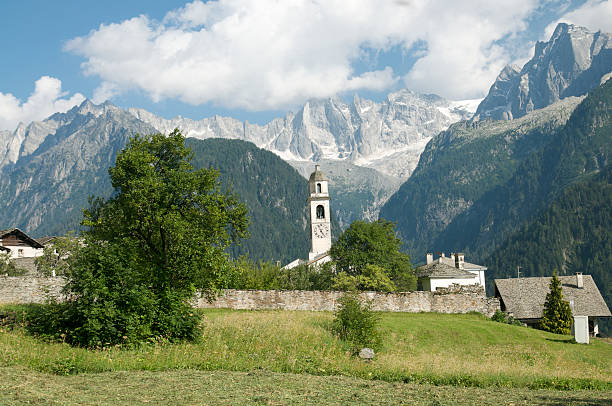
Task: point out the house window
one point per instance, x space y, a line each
320 212
20 252
318 188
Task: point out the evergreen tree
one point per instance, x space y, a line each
557 317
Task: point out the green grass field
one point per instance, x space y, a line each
421 352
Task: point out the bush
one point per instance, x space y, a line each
373 278
247 274
502 317
356 323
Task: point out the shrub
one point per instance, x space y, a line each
502 317
356 323
373 278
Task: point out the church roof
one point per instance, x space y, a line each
317 175
525 297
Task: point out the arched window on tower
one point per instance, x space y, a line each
320 212
318 188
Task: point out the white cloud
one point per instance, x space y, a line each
46 99
269 54
596 15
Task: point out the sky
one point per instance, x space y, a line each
257 59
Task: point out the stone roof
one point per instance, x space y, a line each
442 270
45 240
525 297
317 175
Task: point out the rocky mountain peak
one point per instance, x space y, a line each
571 63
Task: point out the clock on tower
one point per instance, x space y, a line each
320 224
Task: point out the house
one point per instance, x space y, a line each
20 244
445 271
524 298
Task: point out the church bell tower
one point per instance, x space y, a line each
320 216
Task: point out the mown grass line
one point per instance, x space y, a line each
426 348
20 386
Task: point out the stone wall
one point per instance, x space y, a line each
456 299
30 289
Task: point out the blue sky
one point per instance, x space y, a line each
254 60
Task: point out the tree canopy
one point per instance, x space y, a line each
368 256
161 236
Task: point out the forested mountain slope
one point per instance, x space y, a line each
460 165
583 147
274 192
574 234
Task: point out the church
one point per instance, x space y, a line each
320 221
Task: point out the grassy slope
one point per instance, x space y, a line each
460 350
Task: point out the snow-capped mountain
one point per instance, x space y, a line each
388 136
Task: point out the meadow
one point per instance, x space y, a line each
424 352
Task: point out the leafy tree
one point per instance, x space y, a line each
161 236
364 245
54 260
557 317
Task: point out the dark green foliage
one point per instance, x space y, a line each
572 235
457 168
557 314
365 244
161 236
356 323
274 193
583 147
502 317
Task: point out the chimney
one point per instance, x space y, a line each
443 256
579 280
452 256
429 256
317 168
459 260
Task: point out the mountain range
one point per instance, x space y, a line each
449 182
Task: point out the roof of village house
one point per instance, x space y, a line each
45 240
466 265
442 270
317 175
23 235
525 297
